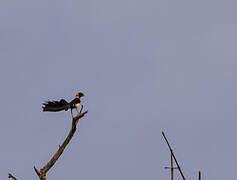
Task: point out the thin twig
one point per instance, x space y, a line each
171 151
45 169
11 176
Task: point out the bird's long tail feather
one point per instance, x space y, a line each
54 106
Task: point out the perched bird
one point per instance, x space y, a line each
55 106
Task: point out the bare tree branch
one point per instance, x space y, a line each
11 176
45 169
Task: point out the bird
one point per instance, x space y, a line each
55 106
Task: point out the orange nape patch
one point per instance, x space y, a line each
77 95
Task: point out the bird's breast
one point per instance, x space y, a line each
77 105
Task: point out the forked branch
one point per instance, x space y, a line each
42 172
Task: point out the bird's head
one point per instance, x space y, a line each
79 95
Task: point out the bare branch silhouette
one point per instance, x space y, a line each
11 176
43 171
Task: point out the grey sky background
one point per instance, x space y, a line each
144 66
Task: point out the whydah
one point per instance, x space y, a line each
55 106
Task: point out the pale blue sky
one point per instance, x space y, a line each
144 66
